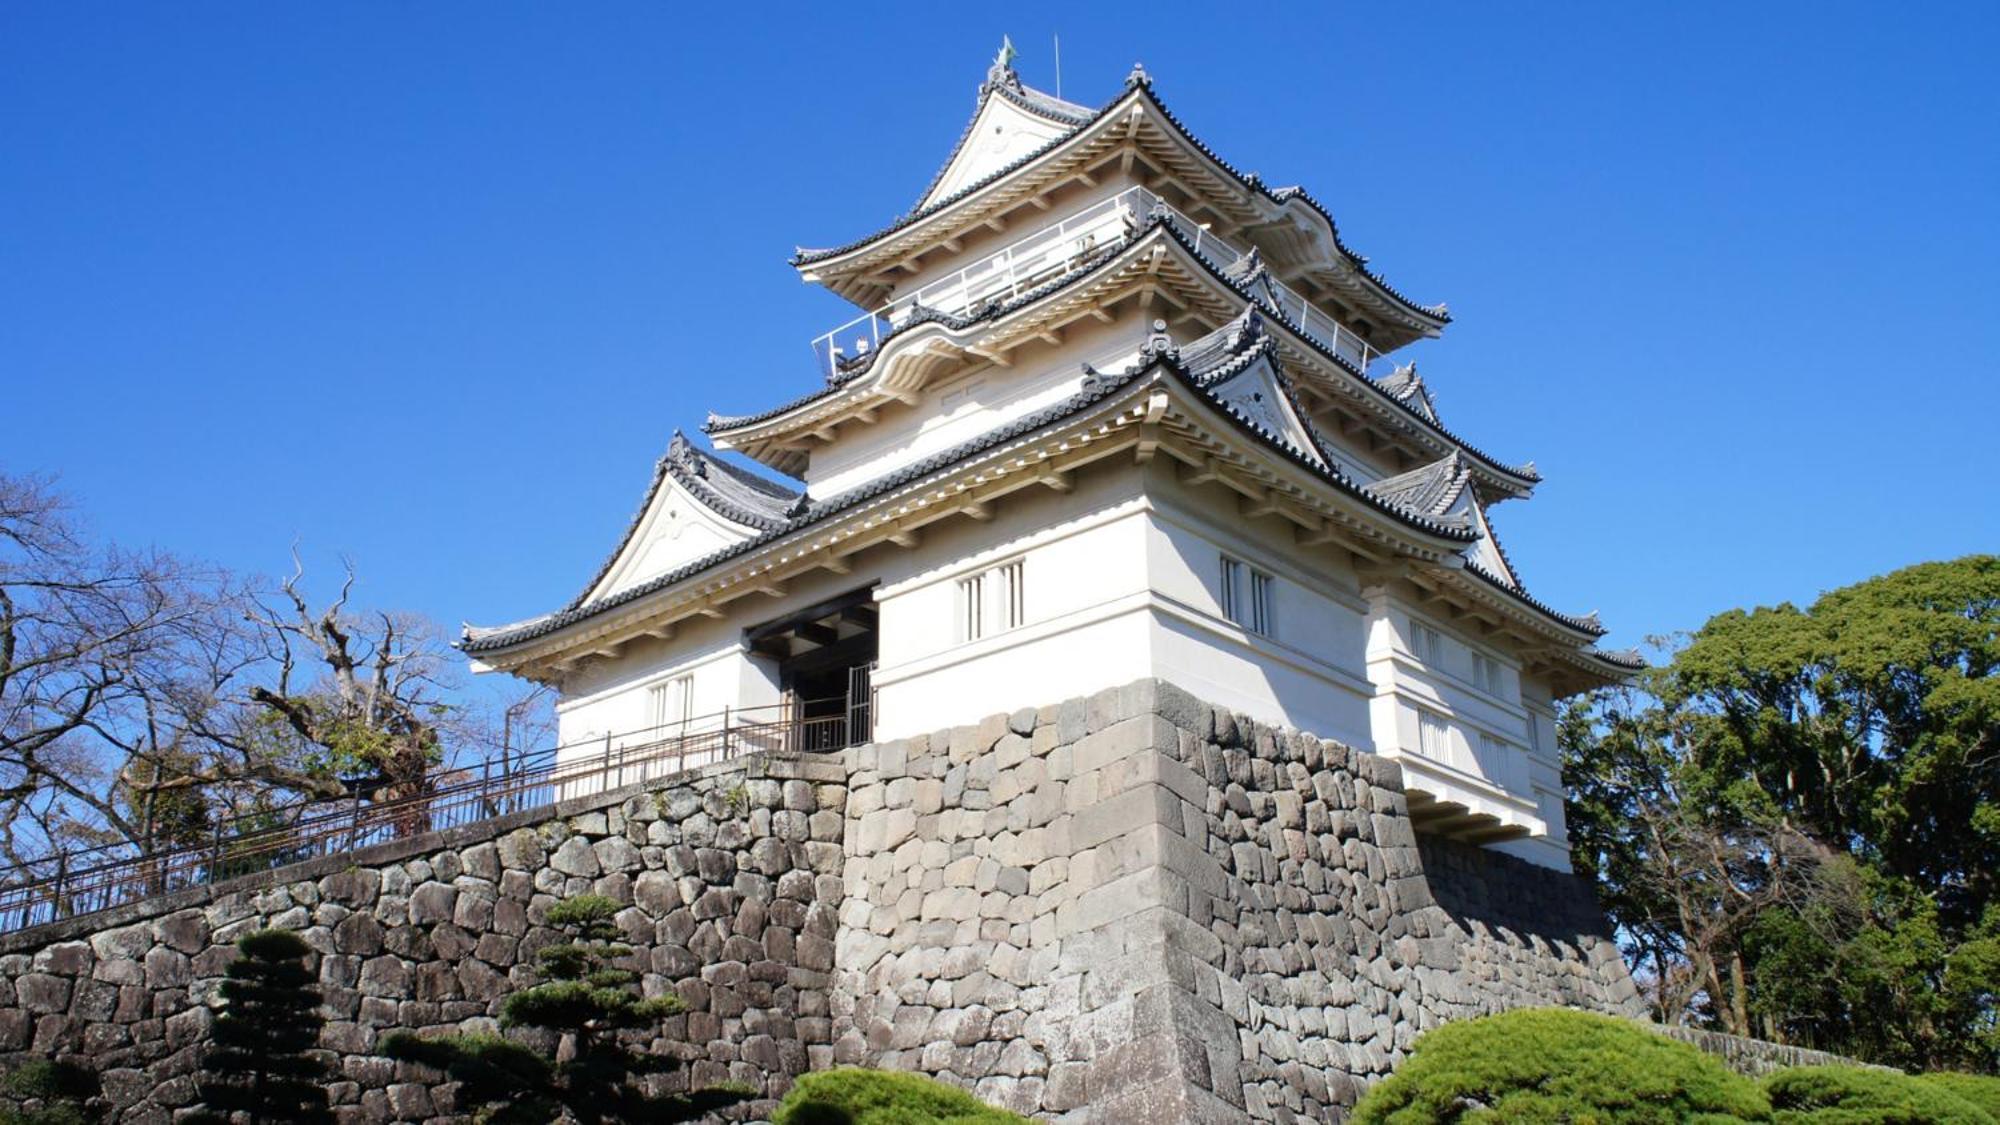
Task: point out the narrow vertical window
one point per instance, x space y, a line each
972 607
1232 589
1535 732
1486 674
1013 606
1426 643
1260 602
669 702
1433 737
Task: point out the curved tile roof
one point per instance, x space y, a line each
1001 81
1138 83
1243 286
1431 488
1407 387
735 494
1096 387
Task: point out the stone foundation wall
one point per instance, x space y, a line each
1756 1057
731 873
1127 908
1137 907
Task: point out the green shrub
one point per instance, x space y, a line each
63 1088
1852 1095
1982 1090
1553 1065
854 1096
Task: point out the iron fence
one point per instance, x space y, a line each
84 881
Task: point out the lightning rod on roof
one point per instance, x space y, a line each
1058 40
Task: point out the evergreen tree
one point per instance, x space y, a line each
596 1014
258 1069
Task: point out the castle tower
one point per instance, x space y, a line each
1111 409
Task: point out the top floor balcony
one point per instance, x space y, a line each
1053 250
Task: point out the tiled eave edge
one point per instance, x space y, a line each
861 392
888 510
1141 409
988 90
663 470
1042 449
1570 649
812 263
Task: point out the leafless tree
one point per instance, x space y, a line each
145 702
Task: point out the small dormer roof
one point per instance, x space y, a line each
1432 489
1406 386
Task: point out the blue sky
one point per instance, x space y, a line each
430 285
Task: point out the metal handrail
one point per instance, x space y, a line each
1048 252
85 881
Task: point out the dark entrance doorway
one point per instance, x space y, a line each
826 659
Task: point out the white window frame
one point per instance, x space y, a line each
1262 585
1486 674
972 607
1434 737
1427 642
1248 605
670 702
994 600
1012 604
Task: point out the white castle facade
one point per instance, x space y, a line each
1112 410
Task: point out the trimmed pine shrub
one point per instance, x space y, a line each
259 1065
1852 1095
1556 1065
594 1010
853 1095
1982 1090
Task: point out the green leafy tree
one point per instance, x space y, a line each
594 1010
259 1066
49 1092
1554 1065
1795 824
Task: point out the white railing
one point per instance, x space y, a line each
1054 250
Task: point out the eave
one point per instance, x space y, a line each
1136 136
1184 284
1155 409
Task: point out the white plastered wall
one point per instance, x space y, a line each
969 405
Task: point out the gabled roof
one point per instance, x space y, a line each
1433 489
1242 284
1226 364
1138 87
1003 83
735 494
1095 388
1407 387
1488 555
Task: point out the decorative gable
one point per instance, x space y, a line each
695 506
1011 122
1256 395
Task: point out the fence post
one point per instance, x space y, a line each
725 732
215 853
62 887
